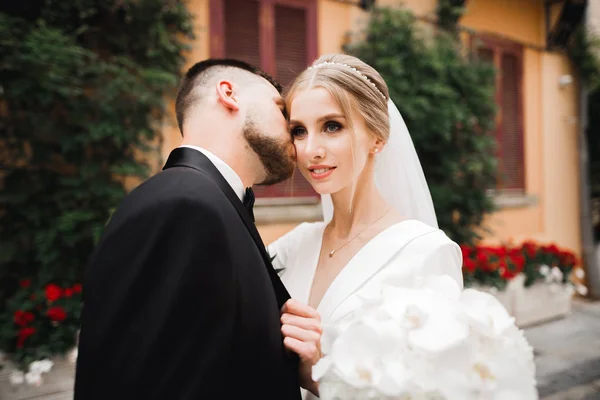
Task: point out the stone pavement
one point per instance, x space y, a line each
568 354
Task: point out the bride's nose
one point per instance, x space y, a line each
314 147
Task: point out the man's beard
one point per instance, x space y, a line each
273 155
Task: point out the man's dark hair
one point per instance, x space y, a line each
199 74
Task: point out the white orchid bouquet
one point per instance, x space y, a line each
426 339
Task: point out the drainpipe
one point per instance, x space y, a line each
590 262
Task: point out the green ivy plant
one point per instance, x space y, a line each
83 88
449 12
447 102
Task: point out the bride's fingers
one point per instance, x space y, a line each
306 351
295 307
302 322
304 335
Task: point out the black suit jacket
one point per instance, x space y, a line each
180 298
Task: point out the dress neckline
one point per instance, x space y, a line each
315 261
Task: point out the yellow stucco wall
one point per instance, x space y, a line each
550 113
199 50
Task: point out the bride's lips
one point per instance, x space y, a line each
320 171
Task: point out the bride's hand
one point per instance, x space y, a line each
301 329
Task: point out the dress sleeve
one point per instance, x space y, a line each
439 256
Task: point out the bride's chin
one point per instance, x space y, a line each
323 189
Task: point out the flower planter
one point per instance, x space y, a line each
505 297
57 384
540 302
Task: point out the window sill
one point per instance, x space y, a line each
508 200
308 209
287 210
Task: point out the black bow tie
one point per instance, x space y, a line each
249 202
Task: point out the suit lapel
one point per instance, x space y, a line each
186 157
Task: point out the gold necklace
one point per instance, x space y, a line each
332 252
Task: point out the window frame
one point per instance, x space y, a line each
267 50
266 30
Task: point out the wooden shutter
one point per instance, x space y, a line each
511 135
290 42
242 30
508 60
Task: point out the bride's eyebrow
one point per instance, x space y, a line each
328 117
322 119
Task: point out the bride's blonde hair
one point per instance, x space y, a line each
355 86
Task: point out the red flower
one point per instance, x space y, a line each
53 292
77 288
25 283
530 249
56 314
24 333
470 265
466 251
518 261
482 257
68 292
23 318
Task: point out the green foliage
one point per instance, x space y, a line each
83 87
594 155
449 12
448 104
584 51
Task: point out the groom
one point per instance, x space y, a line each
181 300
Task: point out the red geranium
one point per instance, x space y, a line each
470 265
53 292
25 283
24 333
23 318
77 288
57 314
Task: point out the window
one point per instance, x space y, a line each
507 57
279 36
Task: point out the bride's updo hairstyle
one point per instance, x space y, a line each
355 86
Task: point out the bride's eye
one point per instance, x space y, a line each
331 127
297 132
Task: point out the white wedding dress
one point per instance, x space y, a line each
407 248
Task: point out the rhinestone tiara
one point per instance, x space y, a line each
363 76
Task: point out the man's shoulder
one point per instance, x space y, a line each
180 183
183 188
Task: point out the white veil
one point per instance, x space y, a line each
399 175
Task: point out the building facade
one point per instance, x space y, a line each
537 98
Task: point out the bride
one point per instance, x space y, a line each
353 147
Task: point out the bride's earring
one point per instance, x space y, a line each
376 150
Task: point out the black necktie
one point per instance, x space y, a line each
249 202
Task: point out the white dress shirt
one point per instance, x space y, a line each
228 173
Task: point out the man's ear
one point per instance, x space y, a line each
226 95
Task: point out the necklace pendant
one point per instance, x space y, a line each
331 253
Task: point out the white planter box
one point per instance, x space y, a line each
541 302
58 384
506 297
538 303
